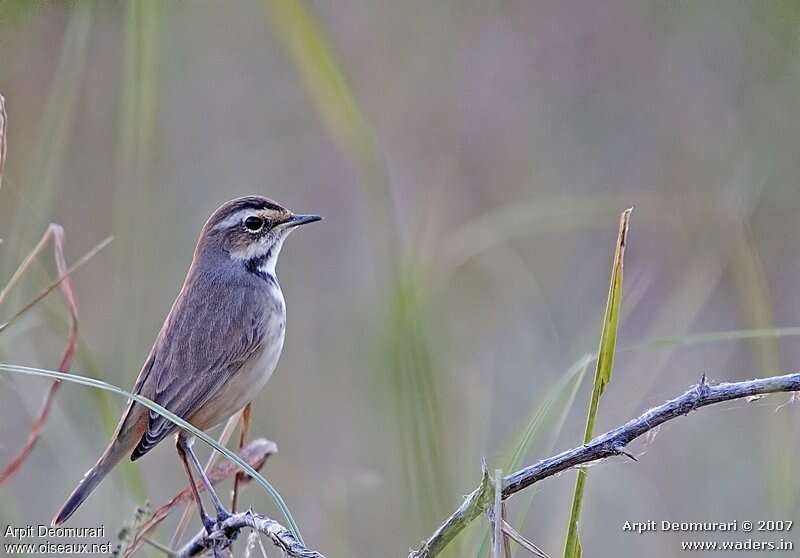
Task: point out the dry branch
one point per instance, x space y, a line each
612 443
223 536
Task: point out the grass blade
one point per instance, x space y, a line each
323 76
3 143
713 337
547 418
35 195
413 395
173 418
563 391
134 162
605 362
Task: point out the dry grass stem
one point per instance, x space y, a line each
56 234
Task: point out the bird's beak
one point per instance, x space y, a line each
296 220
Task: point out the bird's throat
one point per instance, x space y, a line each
263 266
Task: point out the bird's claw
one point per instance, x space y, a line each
209 524
222 516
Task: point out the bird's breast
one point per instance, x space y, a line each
250 379
261 365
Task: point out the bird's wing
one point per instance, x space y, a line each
204 342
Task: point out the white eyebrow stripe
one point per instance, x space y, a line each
236 218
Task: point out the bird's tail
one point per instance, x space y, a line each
114 452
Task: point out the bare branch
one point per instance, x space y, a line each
224 535
612 443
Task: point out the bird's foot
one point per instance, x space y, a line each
208 523
223 515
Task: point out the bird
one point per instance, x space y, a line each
218 346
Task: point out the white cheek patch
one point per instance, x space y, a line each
253 250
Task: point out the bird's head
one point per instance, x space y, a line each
251 231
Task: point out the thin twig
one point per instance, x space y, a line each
3 137
506 538
610 444
49 288
158 546
261 545
26 262
509 531
497 514
252 540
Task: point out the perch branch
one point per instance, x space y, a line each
610 444
223 536
255 454
482 499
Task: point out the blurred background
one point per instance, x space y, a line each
471 160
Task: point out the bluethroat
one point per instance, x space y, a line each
218 346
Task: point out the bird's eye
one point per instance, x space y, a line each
254 223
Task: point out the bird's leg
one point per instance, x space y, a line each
222 513
182 446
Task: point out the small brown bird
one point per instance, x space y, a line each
218 346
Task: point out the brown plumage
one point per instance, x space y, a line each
219 343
